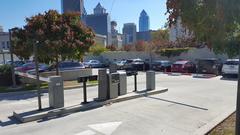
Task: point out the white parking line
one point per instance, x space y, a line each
87 132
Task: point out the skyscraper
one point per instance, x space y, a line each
129 33
116 37
99 9
73 6
100 22
144 22
1 28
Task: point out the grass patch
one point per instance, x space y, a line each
3 89
34 87
27 87
225 128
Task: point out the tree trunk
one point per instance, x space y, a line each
35 50
238 101
57 66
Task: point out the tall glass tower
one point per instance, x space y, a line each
144 23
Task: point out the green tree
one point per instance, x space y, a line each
160 35
215 22
97 49
57 36
111 47
20 45
140 46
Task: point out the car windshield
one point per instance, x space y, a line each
231 63
129 61
70 64
206 62
27 65
180 62
161 62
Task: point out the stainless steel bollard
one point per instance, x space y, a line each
102 84
56 92
123 83
150 80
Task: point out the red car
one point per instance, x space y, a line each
30 66
184 66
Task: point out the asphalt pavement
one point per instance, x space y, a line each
191 106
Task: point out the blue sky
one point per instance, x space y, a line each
14 12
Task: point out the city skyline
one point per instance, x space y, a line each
27 8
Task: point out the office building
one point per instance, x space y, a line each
144 36
129 33
4 41
1 29
73 6
99 9
116 37
100 22
101 40
144 22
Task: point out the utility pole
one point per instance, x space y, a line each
35 52
12 60
237 128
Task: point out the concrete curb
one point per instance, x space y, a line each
214 123
194 75
53 113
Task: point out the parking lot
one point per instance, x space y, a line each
190 106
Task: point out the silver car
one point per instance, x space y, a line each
230 67
93 64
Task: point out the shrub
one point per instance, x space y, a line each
6 75
172 52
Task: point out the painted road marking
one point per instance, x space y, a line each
87 132
105 128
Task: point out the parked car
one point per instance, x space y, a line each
161 65
120 64
68 65
17 63
93 64
183 66
209 66
30 66
230 67
135 64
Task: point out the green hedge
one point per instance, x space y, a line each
172 52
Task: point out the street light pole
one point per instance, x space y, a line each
35 51
12 61
237 128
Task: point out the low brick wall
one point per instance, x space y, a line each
70 74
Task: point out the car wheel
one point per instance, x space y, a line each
217 73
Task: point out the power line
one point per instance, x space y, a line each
112 6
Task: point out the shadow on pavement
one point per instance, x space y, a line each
20 95
178 103
229 78
48 114
52 118
11 121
